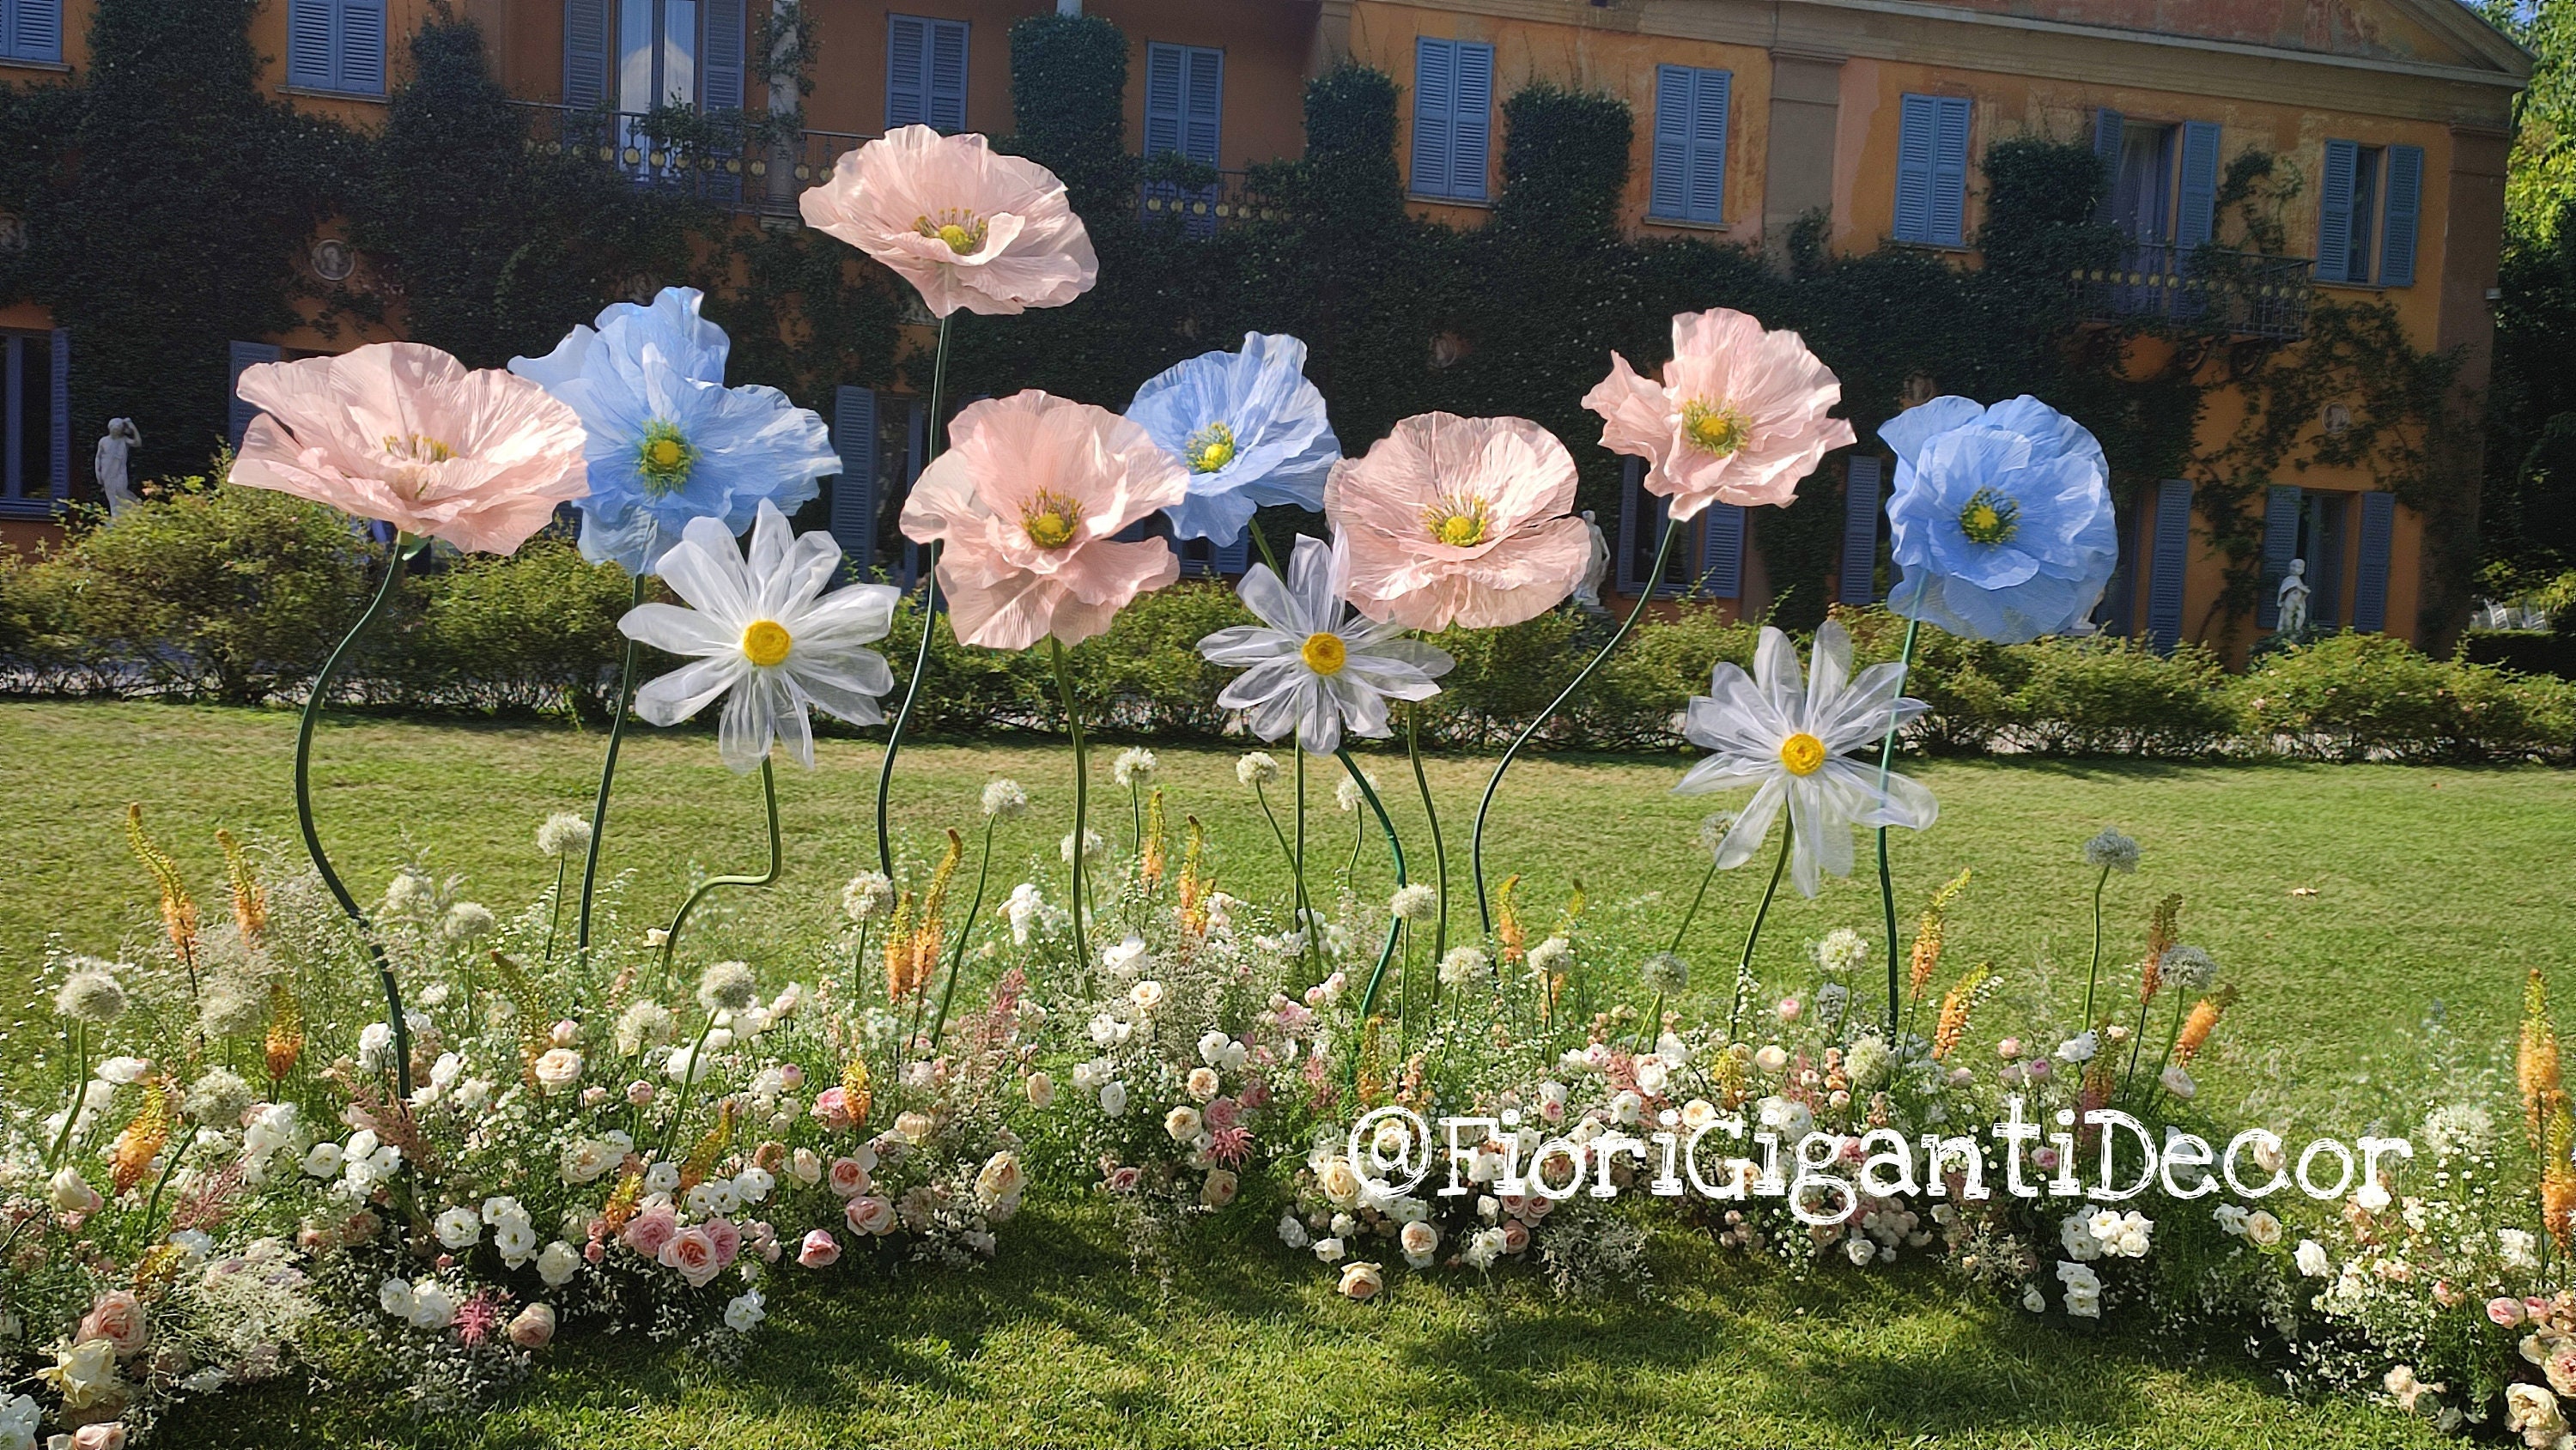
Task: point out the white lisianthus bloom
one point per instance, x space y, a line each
2311 1258
1788 735
745 1312
763 633
1316 665
459 1227
558 1264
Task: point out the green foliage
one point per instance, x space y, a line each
2357 696
1069 101
2115 697
536 632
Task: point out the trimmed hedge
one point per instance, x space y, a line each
235 595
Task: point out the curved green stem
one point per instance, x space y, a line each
1691 915
1439 851
1395 847
929 625
1081 792
403 547
957 958
607 774
1744 965
1886 760
2094 974
1645 594
671 937
1312 929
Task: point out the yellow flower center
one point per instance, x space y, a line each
412 458
963 231
1325 653
1989 518
1210 448
1049 519
1802 754
418 448
1461 523
765 642
664 458
1715 428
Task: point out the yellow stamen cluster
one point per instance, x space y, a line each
417 448
765 642
1210 448
1715 428
1461 522
1802 754
1050 519
664 458
1324 653
1989 518
963 231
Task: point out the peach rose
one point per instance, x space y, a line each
692 1252
1362 1281
869 1214
819 1251
849 1177
534 1328
649 1232
118 1318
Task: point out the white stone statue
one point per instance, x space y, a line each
115 452
2294 601
1587 595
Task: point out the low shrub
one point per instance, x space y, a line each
2116 697
2360 696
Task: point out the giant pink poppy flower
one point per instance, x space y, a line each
403 433
1025 501
1740 416
1453 520
971 229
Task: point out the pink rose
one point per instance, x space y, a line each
832 1109
1124 1180
869 1214
534 1328
726 1238
1538 1206
1222 1112
109 1436
2505 1311
2046 1158
119 1319
1256 1093
849 1178
1515 1236
649 1232
820 1251
692 1252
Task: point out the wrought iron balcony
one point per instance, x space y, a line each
1201 210
729 159
2213 288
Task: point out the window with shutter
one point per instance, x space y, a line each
1862 475
1472 122
2370 579
1184 106
1932 170
2281 505
854 489
1722 551
312 44
585 78
2405 199
720 83
362 47
32 30
2109 139
2197 217
35 423
1641 533
1453 101
58 391
926 73
1689 183
245 355
2168 564
2335 213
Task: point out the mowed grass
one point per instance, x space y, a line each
2344 901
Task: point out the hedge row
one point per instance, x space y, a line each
233 595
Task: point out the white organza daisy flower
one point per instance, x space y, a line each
1789 736
1318 666
765 635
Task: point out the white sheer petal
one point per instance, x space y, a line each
848 686
1264 681
672 698
1270 601
1829 670
706 572
1248 644
1752 824
678 631
745 728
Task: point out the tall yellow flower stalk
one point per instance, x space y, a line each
143 1139
857 1091
250 899
2163 932
1152 854
1508 931
2200 1022
1956 1006
2535 1061
178 909
1928 934
1196 884
283 1044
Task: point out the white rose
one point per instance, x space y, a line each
2311 1257
558 1263
458 1228
557 1068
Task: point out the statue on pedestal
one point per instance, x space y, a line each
110 464
2294 601
1587 594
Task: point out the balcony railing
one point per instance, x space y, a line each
728 159
1202 210
2240 293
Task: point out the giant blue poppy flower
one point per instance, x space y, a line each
2001 519
669 442
1250 429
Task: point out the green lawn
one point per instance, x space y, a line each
2428 885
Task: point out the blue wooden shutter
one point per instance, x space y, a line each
312 43
1950 171
61 391
2405 199
1435 100
1203 106
1862 474
362 47
2334 213
1471 123
35 30
907 71
1642 518
854 491
1233 559
720 85
1722 551
1668 192
247 354
2281 505
585 78
2166 570
1166 81
945 84
2197 219
1708 147
2370 582
1919 121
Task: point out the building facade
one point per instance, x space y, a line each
1863 120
